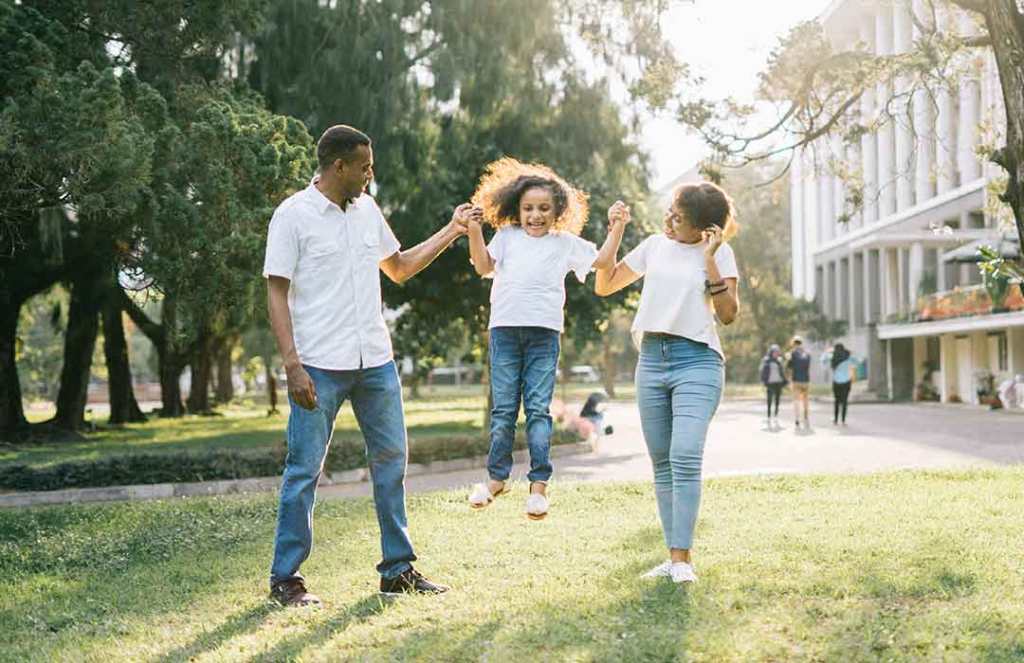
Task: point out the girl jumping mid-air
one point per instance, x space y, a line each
537 218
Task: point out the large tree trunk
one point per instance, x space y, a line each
13 424
225 391
1005 24
123 406
202 370
271 388
79 344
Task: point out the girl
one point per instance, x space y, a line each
844 372
538 217
773 377
690 278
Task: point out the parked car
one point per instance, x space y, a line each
584 373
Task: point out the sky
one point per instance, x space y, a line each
727 42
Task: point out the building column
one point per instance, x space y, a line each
868 143
885 135
810 225
945 129
916 269
940 271
969 115
905 172
885 304
924 124
796 230
825 199
838 193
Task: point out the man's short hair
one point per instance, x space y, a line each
339 142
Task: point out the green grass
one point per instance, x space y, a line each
895 567
242 428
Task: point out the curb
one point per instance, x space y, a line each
158 491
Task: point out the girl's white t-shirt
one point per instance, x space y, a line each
529 276
673 300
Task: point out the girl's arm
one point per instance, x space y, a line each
483 263
725 299
613 275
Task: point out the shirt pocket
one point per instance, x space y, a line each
321 255
370 246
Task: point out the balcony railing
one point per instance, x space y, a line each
967 301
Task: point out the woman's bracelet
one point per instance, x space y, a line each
718 292
708 285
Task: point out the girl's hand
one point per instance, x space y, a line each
712 238
618 214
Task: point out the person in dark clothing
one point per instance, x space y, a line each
799 369
773 377
843 374
593 411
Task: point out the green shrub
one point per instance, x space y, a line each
181 467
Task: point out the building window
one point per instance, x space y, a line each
999 352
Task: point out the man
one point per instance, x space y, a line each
799 369
325 246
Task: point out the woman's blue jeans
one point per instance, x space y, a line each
678 388
524 361
376 395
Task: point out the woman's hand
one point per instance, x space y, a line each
618 214
712 238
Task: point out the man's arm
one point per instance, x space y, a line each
300 385
403 265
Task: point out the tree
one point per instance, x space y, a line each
818 88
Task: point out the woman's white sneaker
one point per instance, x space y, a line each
480 497
682 572
663 570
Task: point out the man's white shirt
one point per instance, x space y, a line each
332 259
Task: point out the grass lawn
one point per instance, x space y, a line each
903 566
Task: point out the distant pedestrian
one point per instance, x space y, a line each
773 377
844 372
799 369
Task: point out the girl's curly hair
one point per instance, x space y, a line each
706 204
503 183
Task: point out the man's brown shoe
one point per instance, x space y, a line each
292 593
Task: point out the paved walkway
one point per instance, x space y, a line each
878 437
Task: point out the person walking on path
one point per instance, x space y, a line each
538 218
690 278
773 377
844 372
326 246
798 367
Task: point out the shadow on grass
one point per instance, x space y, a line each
288 649
235 625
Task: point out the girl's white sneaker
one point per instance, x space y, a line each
663 570
536 506
682 572
481 496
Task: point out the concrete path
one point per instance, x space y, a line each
879 437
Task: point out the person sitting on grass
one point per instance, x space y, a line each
537 218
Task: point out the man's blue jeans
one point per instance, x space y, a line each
524 361
376 395
678 388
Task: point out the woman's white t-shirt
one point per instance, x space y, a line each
673 300
529 276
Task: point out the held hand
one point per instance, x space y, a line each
712 238
618 215
301 388
463 215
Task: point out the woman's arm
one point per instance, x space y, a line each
613 275
483 263
725 299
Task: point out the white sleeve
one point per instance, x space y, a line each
636 259
582 255
282 255
389 244
496 247
726 261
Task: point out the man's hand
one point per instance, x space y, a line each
464 215
300 387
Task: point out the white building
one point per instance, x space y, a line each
887 271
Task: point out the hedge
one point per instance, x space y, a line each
183 467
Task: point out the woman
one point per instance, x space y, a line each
690 278
843 374
773 377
